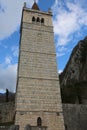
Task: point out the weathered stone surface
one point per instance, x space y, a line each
14 127
75 116
7 111
27 127
76 68
73 79
4 127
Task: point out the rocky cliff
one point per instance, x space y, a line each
73 79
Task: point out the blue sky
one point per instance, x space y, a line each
70 26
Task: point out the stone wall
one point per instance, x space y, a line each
4 127
75 116
7 112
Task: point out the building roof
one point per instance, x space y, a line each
35 6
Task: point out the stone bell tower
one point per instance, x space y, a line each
38 101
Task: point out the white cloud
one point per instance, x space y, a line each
8 77
54 7
2 91
61 51
58 54
10 16
8 60
15 50
60 71
68 20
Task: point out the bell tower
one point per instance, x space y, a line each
38 100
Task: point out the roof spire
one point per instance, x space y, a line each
35 6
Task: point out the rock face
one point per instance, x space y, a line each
73 79
75 116
76 68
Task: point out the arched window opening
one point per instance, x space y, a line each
42 21
38 19
39 121
33 19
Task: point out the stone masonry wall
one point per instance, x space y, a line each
49 119
7 112
75 116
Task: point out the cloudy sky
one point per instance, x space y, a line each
70 26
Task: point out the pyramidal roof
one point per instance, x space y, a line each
35 6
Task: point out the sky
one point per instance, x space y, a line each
70 26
